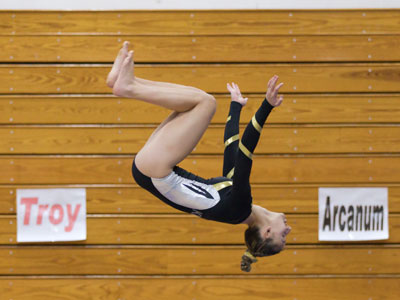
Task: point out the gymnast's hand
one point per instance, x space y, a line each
272 92
235 93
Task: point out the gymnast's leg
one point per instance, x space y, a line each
176 137
122 54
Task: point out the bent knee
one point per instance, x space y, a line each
210 102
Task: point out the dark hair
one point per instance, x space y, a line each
257 246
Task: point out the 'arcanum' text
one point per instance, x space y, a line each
353 218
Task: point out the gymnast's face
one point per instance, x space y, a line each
276 227
280 229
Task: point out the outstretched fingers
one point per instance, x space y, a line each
272 81
233 89
230 88
280 100
272 92
236 95
276 89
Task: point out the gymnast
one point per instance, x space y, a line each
224 199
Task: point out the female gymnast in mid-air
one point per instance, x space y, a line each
224 199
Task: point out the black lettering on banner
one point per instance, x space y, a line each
359 217
327 214
342 226
353 218
378 216
367 218
335 211
350 219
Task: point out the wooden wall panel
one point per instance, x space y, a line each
352 169
273 22
202 49
182 229
300 78
61 127
297 109
200 260
126 140
180 288
292 199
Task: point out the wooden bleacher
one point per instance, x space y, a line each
61 127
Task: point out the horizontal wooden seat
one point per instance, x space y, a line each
183 288
183 229
135 200
189 49
145 260
127 140
335 169
239 22
297 109
299 78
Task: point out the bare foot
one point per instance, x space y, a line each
113 75
126 79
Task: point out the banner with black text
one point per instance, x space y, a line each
353 214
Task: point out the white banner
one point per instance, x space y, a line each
353 214
49 215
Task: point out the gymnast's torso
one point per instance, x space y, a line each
211 199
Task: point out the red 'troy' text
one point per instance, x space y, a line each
56 213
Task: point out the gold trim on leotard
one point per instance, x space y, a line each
245 151
231 140
230 174
229 118
255 124
221 185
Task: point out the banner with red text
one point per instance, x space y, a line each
50 215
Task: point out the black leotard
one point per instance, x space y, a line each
224 199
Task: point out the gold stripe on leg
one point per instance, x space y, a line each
245 151
229 118
231 140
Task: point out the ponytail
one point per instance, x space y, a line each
257 246
247 260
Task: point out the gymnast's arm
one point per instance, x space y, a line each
251 136
231 134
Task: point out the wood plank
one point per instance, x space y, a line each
187 22
196 261
299 78
201 288
135 200
104 200
266 169
202 49
127 140
77 109
178 230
